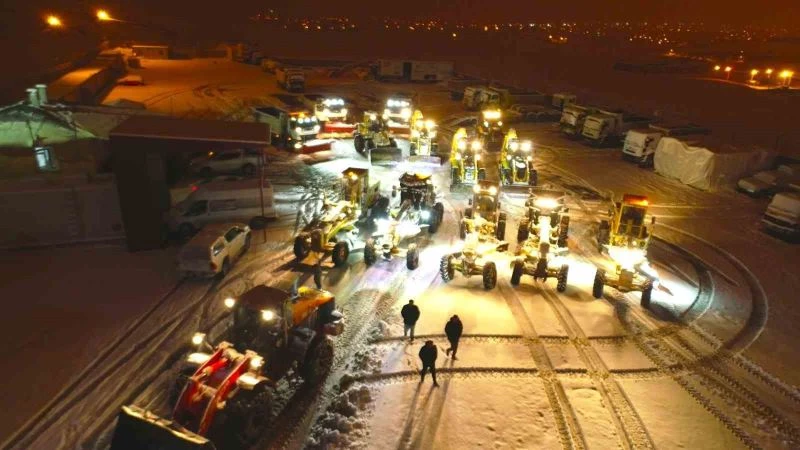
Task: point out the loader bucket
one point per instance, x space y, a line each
426 159
380 155
138 429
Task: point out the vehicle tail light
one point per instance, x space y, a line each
212 266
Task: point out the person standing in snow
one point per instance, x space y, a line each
428 354
410 313
453 330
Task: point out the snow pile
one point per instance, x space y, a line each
343 424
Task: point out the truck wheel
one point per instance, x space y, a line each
369 144
540 273
646 162
318 361
340 253
533 178
599 283
481 174
603 235
563 272
647 292
245 417
358 143
523 231
258 223
489 276
412 258
500 231
437 217
392 142
462 230
370 256
446 269
226 267
247 242
300 248
563 231
412 148
248 170
468 213
454 178
516 273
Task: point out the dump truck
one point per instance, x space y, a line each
605 127
223 394
327 108
624 237
500 97
641 143
573 117
291 79
516 161
466 166
288 129
398 109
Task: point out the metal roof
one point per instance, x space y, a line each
175 129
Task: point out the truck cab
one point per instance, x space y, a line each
573 117
291 79
330 109
783 215
398 109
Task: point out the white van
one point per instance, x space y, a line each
783 214
229 201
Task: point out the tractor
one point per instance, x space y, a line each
423 136
223 394
516 161
483 216
335 228
625 237
373 133
417 209
547 215
490 128
465 159
472 260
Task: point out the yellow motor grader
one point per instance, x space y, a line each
465 159
516 161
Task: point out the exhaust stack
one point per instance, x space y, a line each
41 90
33 96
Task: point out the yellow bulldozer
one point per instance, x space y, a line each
624 236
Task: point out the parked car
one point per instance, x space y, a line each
213 251
769 182
244 161
226 201
782 216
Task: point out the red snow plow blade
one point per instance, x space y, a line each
400 131
317 145
339 127
138 429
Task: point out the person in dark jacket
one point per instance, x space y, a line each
410 313
428 354
453 330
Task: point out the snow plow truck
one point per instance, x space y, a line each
223 394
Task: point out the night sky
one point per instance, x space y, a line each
783 12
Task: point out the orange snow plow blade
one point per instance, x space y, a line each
317 145
138 429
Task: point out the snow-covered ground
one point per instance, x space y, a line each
709 365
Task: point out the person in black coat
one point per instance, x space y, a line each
410 313
453 330
428 354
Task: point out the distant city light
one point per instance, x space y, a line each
53 21
717 68
103 15
728 68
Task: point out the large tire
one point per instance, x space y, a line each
341 251
533 178
454 177
500 230
481 174
516 273
446 269
359 144
412 149
248 170
563 231
603 235
244 418
523 232
489 276
247 241
226 267
412 258
541 270
318 361
300 248
370 256
369 144
599 283
647 293
437 217
563 273
468 213
462 230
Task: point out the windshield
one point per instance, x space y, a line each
631 216
250 331
485 204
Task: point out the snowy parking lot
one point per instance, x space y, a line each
709 365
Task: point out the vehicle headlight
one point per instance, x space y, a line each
298 145
486 123
256 362
529 158
477 157
326 111
461 145
500 123
316 127
476 189
386 112
432 134
298 129
508 157
429 124
230 302
405 113
267 315
344 111
458 156
546 203
415 133
492 190
198 338
527 146
425 215
513 146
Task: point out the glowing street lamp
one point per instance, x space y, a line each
728 70
787 77
53 21
753 74
717 68
103 16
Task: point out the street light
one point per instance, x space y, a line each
728 72
103 16
716 68
753 74
787 77
53 21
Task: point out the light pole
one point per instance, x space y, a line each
787 77
728 70
769 74
717 68
753 74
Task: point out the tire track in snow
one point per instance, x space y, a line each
569 431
